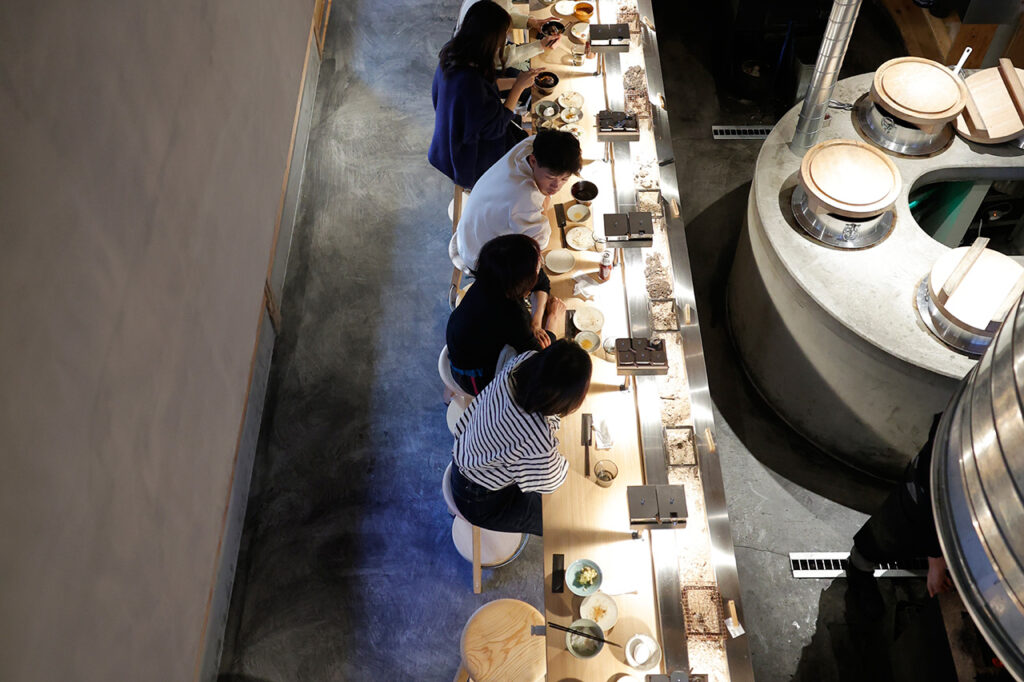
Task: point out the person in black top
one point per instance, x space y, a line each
493 313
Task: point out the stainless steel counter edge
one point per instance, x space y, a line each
723 555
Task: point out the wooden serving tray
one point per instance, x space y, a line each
919 91
995 107
849 178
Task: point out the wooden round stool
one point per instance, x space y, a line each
497 645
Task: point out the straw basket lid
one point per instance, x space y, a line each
919 91
849 178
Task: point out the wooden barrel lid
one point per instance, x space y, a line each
849 178
970 287
919 91
497 643
995 107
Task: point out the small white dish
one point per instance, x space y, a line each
580 238
571 115
566 8
580 31
642 652
560 260
588 341
572 128
578 213
599 607
571 99
588 319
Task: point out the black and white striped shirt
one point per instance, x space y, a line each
497 443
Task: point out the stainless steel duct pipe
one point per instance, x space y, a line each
978 491
826 73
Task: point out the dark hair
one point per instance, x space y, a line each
557 151
483 32
554 381
508 264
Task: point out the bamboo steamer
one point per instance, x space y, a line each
919 91
995 107
849 178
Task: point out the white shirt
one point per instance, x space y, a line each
505 200
513 55
497 444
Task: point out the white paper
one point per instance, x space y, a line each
602 434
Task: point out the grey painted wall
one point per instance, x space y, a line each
142 151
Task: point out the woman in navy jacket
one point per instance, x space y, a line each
473 127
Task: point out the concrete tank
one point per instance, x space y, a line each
831 337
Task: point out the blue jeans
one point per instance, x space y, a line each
508 510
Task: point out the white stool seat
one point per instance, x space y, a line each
495 547
455 410
444 368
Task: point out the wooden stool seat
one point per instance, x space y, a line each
497 645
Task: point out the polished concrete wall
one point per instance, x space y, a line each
142 152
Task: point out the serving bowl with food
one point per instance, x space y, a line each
545 82
547 109
588 341
572 129
584 191
578 213
588 319
583 577
552 28
583 11
584 647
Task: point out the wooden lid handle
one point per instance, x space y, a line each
1013 84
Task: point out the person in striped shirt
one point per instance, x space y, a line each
506 454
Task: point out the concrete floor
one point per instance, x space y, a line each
347 570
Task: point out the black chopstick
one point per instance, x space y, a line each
582 634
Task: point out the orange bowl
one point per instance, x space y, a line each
583 11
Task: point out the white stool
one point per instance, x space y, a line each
455 411
444 368
480 546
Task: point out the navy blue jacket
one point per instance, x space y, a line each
471 125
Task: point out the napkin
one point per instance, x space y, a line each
602 434
584 285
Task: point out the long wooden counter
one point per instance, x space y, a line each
581 519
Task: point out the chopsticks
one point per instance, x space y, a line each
582 634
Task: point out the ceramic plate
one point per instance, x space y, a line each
580 31
565 7
571 99
571 115
560 260
571 128
580 238
588 319
600 608
578 213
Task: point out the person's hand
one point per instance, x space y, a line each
555 311
938 578
525 79
549 42
536 22
542 335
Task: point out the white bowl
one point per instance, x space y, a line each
578 213
588 341
560 260
635 648
600 608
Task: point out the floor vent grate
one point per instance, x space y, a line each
740 132
833 565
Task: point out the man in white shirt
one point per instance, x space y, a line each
512 196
